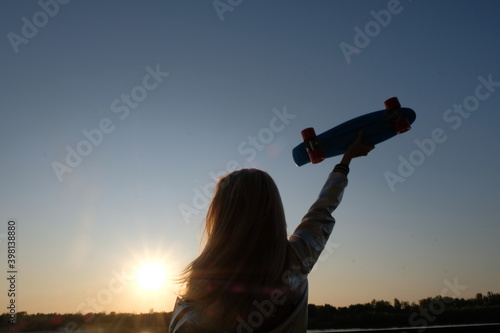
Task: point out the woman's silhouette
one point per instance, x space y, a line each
251 277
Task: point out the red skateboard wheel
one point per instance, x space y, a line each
308 134
402 125
392 104
316 156
314 151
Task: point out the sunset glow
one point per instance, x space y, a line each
151 276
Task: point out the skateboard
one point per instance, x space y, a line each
377 127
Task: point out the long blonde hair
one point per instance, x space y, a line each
246 250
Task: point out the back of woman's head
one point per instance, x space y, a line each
246 205
246 247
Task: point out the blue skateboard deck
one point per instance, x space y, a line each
377 127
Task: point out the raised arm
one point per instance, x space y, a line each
310 237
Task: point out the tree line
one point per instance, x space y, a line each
429 311
438 310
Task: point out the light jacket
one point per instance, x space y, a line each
307 242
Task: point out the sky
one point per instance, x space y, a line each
117 117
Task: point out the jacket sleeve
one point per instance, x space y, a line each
310 237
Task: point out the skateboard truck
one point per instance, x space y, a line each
313 148
401 125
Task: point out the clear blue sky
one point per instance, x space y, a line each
157 97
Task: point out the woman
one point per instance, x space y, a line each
250 277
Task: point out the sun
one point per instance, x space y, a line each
151 276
